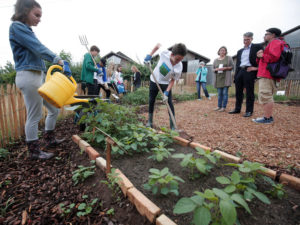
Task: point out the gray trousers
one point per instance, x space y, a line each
29 82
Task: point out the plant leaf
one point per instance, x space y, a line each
239 199
184 205
223 180
228 212
202 216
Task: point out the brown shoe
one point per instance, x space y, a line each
35 152
51 141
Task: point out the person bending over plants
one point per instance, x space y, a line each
167 70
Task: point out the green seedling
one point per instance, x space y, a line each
113 183
277 190
244 186
212 206
83 173
5 183
86 208
202 165
8 203
160 152
110 212
163 181
66 210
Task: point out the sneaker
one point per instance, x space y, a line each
217 109
199 99
221 110
209 98
263 120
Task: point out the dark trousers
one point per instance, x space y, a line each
91 88
98 88
153 91
246 80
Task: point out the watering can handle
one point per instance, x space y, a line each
50 71
60 68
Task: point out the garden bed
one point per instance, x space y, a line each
31 191
136 169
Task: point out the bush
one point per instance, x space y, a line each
138 97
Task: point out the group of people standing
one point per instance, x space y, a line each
251 65
95 76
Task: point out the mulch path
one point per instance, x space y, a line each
31 191
276 145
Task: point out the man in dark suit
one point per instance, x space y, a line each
245 75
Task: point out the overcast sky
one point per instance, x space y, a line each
135 26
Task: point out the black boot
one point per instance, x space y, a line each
51 141
150 121
35 152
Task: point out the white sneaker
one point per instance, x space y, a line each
199 99
115 96
209 98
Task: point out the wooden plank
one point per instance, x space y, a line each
21 112
10 113
5 116
14 109
2 143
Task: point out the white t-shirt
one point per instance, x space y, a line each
165 71
118 77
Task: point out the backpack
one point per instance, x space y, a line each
281 68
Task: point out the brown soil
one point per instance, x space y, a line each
37 188
136 168
276 145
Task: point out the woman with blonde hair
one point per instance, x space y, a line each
222 67
136 77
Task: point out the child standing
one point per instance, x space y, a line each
167 70
201 80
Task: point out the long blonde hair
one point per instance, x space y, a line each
135 69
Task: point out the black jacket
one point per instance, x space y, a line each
252 57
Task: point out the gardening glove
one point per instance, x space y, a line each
99 72
165 96
147 59
66 68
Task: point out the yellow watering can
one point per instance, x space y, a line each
58 89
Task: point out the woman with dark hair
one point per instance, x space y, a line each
222 67
29 53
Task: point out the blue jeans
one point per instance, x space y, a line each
203 84
222 97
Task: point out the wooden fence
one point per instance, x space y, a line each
13 115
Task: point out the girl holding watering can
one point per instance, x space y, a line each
29 53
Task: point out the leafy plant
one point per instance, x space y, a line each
214 206
83 172
250 169
160 152
202 165
66 210
86 208
163 181
5 183
277 190
245 186
112 183
4 153
110 212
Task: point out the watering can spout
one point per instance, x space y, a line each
73 100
